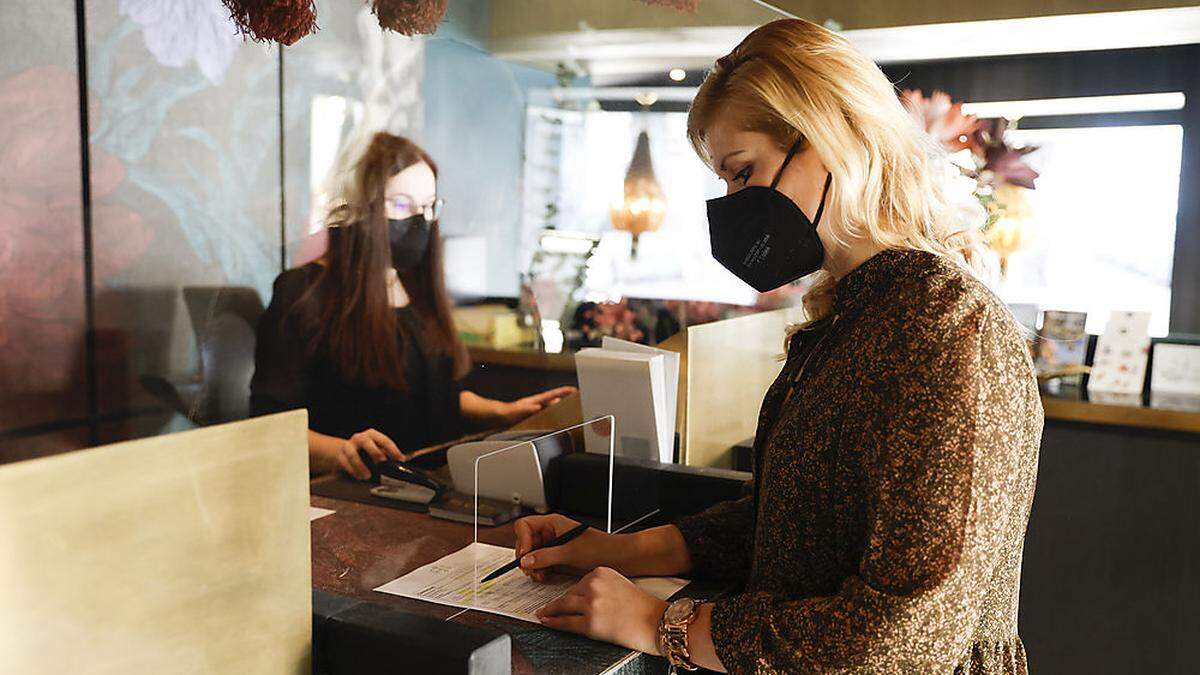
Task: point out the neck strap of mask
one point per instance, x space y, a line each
828 178
821 208
791 153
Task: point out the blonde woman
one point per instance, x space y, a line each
897 451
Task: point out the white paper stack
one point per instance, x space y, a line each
638 386
1119 366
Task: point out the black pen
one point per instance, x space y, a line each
557 541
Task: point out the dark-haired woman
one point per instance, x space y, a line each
363 337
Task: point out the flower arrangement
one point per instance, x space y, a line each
613 319
980 151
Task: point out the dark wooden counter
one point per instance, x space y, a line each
360 547
1143 417
508 374
527 358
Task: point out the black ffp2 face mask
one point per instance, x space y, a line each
760 235
409 239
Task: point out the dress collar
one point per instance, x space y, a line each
873 277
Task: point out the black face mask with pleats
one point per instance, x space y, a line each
409 239
760 235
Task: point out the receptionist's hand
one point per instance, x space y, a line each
580 555
378 447
606 606
515 411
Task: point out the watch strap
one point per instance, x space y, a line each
672 639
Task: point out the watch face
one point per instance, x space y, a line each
680 609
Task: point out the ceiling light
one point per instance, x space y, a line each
1077 106
677 74
646 98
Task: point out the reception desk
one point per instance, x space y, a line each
360 547
1106 585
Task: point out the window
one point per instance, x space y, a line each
589 161
1103 223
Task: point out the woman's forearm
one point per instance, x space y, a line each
480 410
658 551
322 452
699 640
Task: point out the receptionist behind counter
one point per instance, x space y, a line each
363 337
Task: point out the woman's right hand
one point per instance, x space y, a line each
377 446
581 555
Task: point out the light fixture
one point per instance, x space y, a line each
646 98
1012 230
1081 105
644 205
677 74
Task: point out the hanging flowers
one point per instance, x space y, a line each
681 5
282 21
409 17
286 21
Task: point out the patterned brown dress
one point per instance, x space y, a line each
895 463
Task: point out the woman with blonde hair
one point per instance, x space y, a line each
896 453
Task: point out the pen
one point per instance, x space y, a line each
557 541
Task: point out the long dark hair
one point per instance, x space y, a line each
351 319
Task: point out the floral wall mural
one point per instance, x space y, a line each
191 112
208 156
42 308
185 190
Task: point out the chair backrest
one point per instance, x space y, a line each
224 320
181 553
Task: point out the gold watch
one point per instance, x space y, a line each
672 633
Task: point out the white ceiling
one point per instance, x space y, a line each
614 53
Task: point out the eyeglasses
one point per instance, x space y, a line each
406 206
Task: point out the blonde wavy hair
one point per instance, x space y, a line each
793 79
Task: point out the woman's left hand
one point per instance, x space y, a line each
515 411
606 606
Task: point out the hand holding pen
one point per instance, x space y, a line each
560 540
584 552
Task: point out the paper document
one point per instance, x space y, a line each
451 581
315 512
666 406
631 387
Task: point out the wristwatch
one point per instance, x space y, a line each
672 633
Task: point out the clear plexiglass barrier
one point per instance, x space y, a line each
573 472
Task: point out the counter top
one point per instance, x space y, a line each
1069 407
1075 410
517 357
359 547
